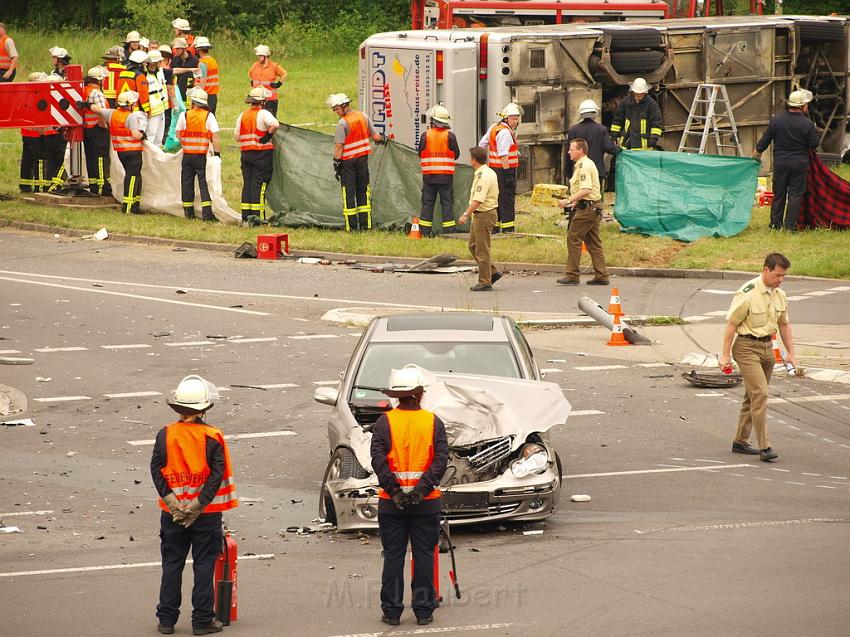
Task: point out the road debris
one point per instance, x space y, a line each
43 379
70 454
580 497
10 529
12 360
21 422
533 532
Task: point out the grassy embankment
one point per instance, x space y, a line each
311 79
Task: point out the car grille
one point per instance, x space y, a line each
458 505
484 455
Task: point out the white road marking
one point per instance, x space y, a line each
9 351
828 440
259 339
677 466
133 296
842 288
305 337
20 513
745 525
797 298
806 399
277 386
133 394
765 479
793 427
586 412
111 567
641 471
552 370
819 293
259 434
50 350
712 291
428 631
325 382
839 478
704 460
709 394
128 346
811 474
799 484
811 433
653 365
823 486
594 368
782 470
61 399
192 343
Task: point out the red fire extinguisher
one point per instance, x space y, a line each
224 581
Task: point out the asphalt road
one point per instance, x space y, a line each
680 537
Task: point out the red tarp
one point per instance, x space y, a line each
827 200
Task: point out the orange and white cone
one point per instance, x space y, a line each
614 307
617 337
777 353
414 229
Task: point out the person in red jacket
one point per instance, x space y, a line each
193 475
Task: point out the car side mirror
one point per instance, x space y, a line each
326 395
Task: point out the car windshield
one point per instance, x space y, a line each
493 359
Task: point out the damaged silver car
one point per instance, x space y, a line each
484 384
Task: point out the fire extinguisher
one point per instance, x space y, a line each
225 582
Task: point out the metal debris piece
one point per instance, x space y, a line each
580 497
712 378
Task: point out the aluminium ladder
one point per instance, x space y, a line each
713 101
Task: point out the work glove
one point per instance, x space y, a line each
266 138
414 498
400 499
174 508
81 104
338 169
216 153
193 511
382 140
144 135
275 84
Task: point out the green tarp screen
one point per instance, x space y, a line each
684 196
303 189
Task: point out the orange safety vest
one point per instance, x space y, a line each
210 82
190 41
261 75
493 160
412 452
110 82
90 118
249 134
436 158
357 141
187 470
5 58
195 138
122 139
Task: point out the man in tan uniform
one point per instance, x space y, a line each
483 207
585 211
757 309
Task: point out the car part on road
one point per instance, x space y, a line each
601 316
11 360
12 401
712 379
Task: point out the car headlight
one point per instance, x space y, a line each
533 458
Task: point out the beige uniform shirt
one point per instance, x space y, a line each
485 189
586 175
758 309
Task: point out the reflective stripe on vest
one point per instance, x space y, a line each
90 118
493 159
357 141
210 82
157 94
187 470
110 82
412 451
122 139
436 158
5 58
195 138
249 134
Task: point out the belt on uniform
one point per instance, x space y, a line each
763 339
484 211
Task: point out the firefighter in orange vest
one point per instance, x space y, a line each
209 72
197 130
351 161
114 67
182 29
191 470
268 74
254 130
8 56
503 157
438 151
409 456
95 135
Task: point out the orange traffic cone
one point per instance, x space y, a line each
414 229
617 337
777 353
614 307
583 248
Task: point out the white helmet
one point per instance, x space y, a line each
164 48
127 97
97 72
511 109
155 56
138 56
262 49
133 36
440 114
199 96
405 381
58 51
258 94
181 23
798 99
337 99
202 43
639 86
179 43
588 107
193 394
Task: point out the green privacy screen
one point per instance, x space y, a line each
304 191
684 196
